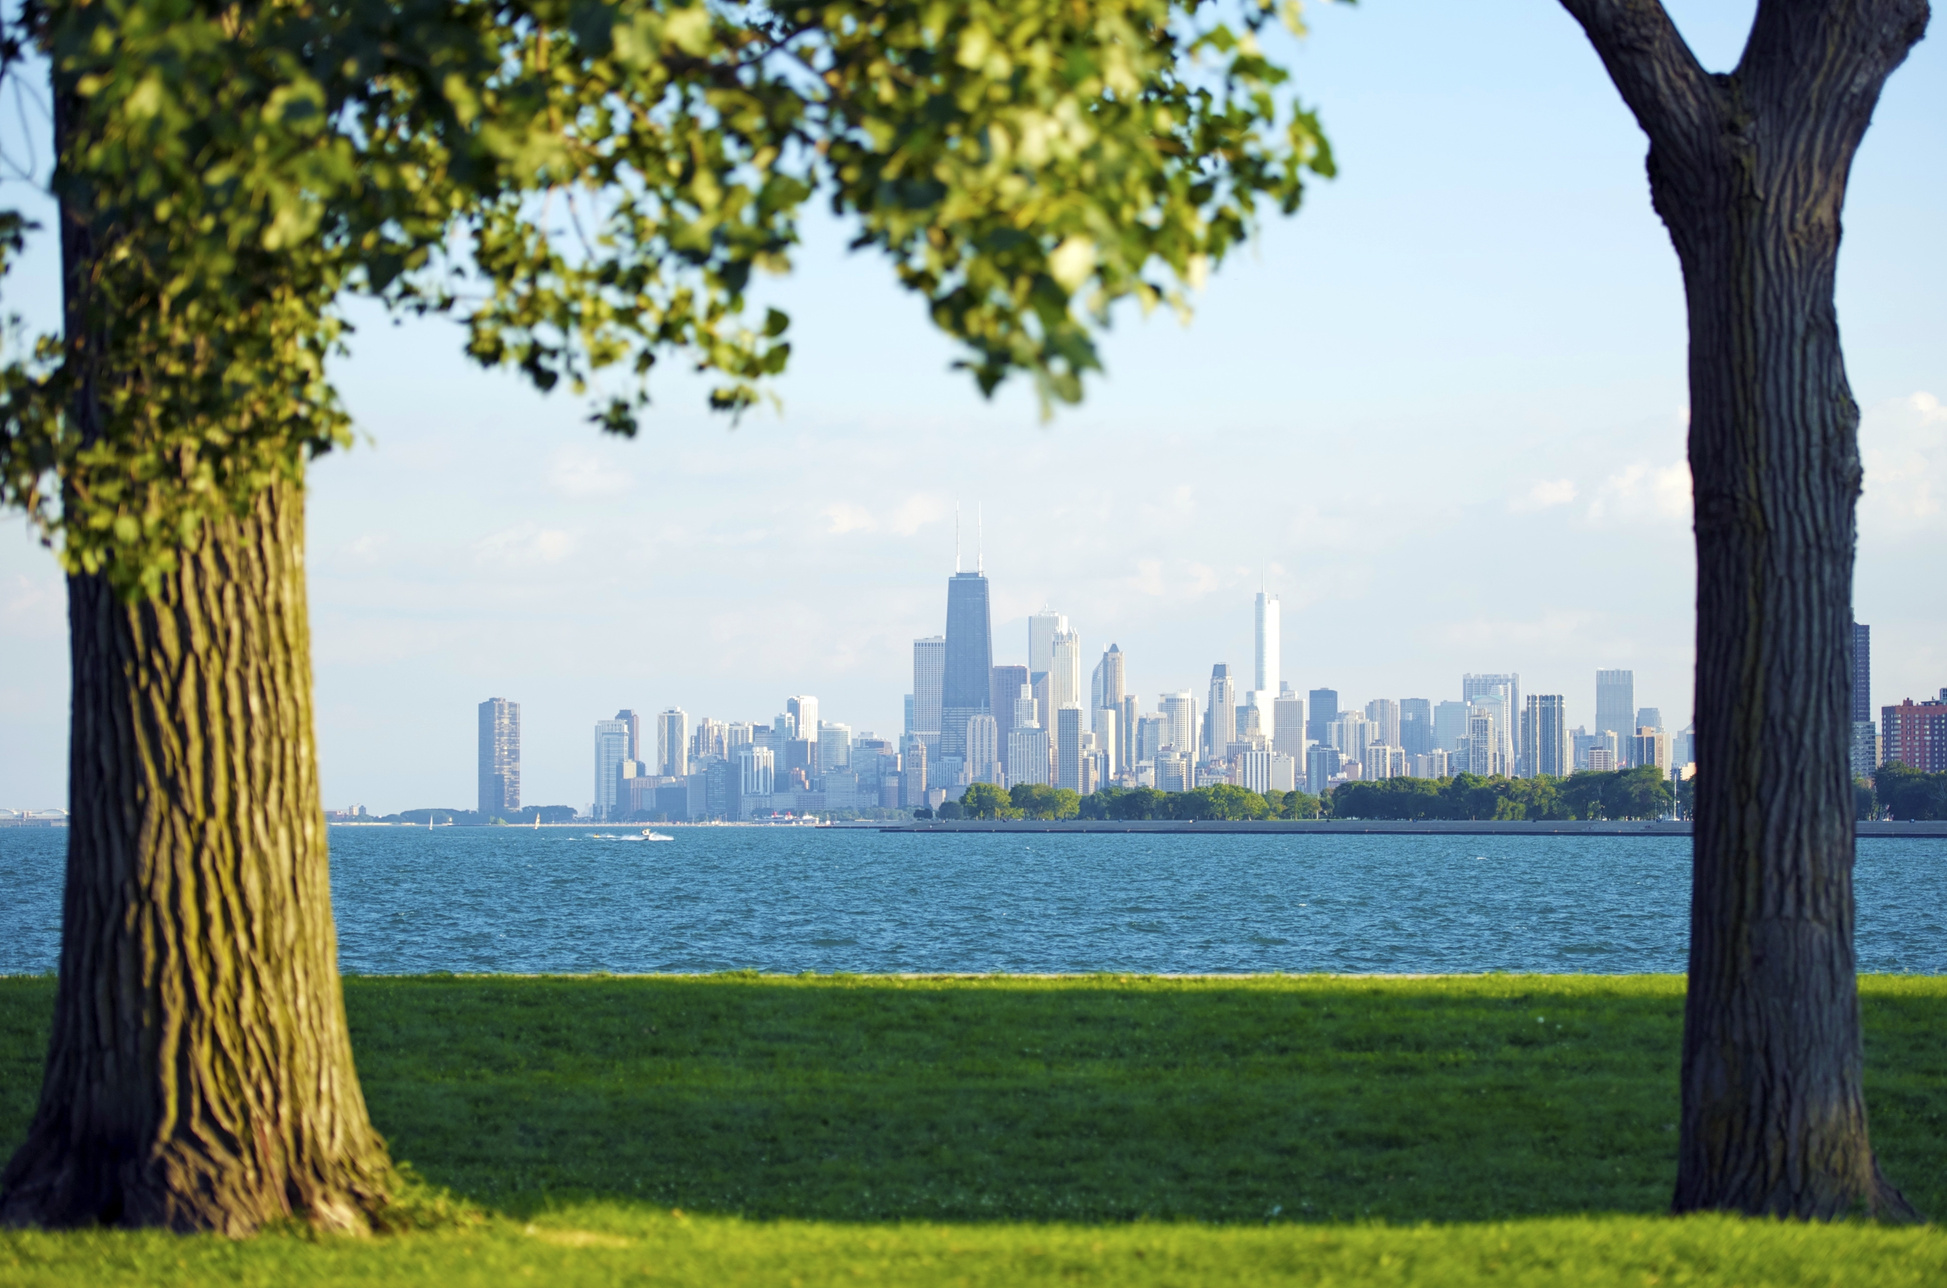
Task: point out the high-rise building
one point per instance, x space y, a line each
1650 717
984 749
1042 629
1105 725
913 771
1615 702
1065 675
1544 736
1110 682
804 716
1449 725
1288 725
834 746
1324 704
1500 758
1265 675
1483 738
1004 688
1223 710
1152 735
1384 714
1650 746
1415 726
611 750
1322 765
673 743
1507 725
1254 768
1915 734
929 685
1865 735
1349 733
1125 731
966 689
500 758
634 722
1068 747
756 770
1027 753
1180 710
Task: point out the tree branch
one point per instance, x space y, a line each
1672 96
1826 60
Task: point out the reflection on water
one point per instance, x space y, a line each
506 899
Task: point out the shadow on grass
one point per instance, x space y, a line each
1093 1100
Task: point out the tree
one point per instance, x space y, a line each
587 186
1038 800
984 800
1909 793
1748 171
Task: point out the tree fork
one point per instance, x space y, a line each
1748 172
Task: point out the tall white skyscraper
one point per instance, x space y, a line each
1042 629
673 743
929 684
1065 671
1223 710
1384 714
1288 726
611 749
1507 722
834 747
1180 710
983 749
1268 671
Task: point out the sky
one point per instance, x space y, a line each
1440 413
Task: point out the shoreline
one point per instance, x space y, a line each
1375 827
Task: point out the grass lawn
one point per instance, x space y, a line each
1105 1129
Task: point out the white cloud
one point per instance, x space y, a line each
846 517
368 546
1644 492
581 474
1903 443
1544 495
525 545
915 512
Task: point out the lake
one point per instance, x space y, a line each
798 899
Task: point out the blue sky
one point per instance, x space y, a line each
1441 410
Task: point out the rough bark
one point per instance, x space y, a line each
1748 172
200 1072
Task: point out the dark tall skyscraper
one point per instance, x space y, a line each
966 690
1324 708
500 758
1862 673
1415 726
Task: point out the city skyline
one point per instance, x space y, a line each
1408 406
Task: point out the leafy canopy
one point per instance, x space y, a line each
588 186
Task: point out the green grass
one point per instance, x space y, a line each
1010 1130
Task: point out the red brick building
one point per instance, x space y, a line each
1915 734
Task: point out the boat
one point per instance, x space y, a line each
651 834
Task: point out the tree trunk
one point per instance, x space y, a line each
200 1072
1748 172
200 1075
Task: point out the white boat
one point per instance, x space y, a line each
651 834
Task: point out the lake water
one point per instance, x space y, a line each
796 899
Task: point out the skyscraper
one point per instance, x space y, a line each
1267 672
834 747
1615 702
673 743
1042 629
1068 748
1065 673
631 719
1180 710
1223 711
1450 725
984 749
1384 714
966 687
804 716
1508 689
1288 725
1415 726
929 681
1125 731
1865 734
500 758
611 749
1483 739
1916 734
1004 688
1324 705
1544 736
